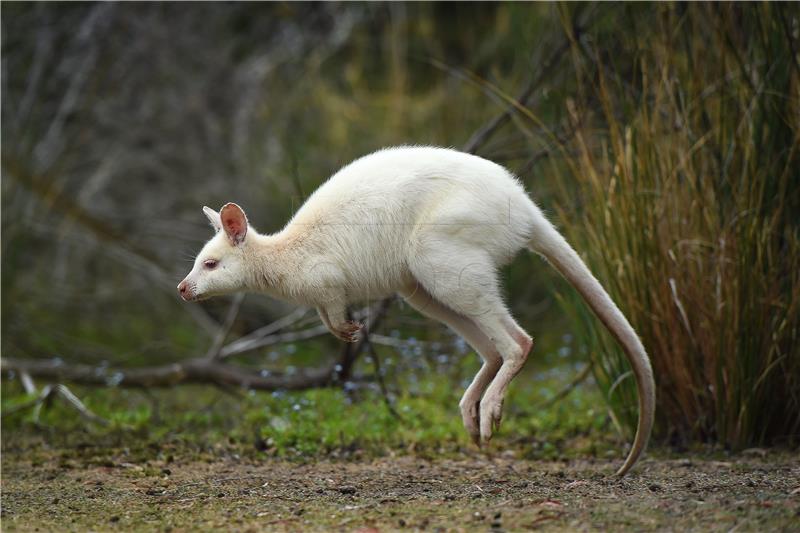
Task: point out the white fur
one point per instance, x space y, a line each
434 225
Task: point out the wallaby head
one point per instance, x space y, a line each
220 267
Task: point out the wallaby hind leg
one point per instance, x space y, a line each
421 300
513 345
464 281
513 361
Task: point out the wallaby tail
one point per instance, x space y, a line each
553 247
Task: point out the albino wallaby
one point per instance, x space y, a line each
434 225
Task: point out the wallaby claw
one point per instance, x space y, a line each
349 331
476 440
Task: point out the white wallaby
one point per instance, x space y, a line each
434 225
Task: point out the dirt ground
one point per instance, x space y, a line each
752 492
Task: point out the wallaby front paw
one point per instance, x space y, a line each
348 331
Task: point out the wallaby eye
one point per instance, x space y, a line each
210 264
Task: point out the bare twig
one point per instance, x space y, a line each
622 377
27 383
49 392
8 411
241 346
225 328
563 393
395 342
263 336
44 397
381 382
482 135
84 411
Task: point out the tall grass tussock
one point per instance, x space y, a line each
686 203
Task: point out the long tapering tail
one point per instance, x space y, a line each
548 242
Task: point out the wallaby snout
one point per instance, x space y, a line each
185 291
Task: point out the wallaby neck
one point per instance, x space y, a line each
275 264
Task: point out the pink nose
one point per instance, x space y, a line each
183 289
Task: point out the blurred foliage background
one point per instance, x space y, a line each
663 139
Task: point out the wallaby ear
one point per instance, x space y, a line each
213 217
234 222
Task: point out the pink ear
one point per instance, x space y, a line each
234 222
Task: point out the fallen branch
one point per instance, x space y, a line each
199 370
202 369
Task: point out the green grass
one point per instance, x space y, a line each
321 422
